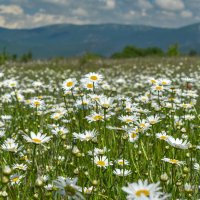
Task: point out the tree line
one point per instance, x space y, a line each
133 51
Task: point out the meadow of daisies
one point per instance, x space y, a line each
106 130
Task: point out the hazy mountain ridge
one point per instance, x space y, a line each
104 39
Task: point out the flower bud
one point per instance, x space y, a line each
7 170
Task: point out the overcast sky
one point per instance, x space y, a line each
160 13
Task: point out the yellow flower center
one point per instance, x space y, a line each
15 179
153 81
98 117
164 83
141 192
142 125
36 140
163 137
158 87
121 162
101 163
94 78
173 161
90 85
133 135
36 103
69 84
129 120
105 105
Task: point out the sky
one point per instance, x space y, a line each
159 13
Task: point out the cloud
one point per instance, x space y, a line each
109 4
145 4
58 2
186 14
11 9
173 5
80 12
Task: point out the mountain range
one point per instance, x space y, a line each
104 39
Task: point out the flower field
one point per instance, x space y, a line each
116 130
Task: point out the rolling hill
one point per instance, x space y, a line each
105 39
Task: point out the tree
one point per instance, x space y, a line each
173 50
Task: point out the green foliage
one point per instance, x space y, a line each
132 51
173 50
87 57
192 52
26 57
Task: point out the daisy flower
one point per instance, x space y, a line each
68 84
15 179
133 134
153 119
68 187
158 88
128 119
88 190
122 162
10 145
105 102
143 124
88 84
178 143
37 103
95 117
164 81
101 161
144 191
20 166
94 77
197 167
87 136
37 138
173 161
162 136
122 172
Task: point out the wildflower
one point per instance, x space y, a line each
67 187
101 161
197 167
105 102
153 119
164 81
178 143
10 145
94 77
87 136
128 119
188 188
158 88
88 190
173 161
162 136
68 84
15 179
144 191
98 151
122 162
37 103
59 130
20 166
122 172
143 125
133 134
37 138
2 133
95 117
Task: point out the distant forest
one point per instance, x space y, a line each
128 52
